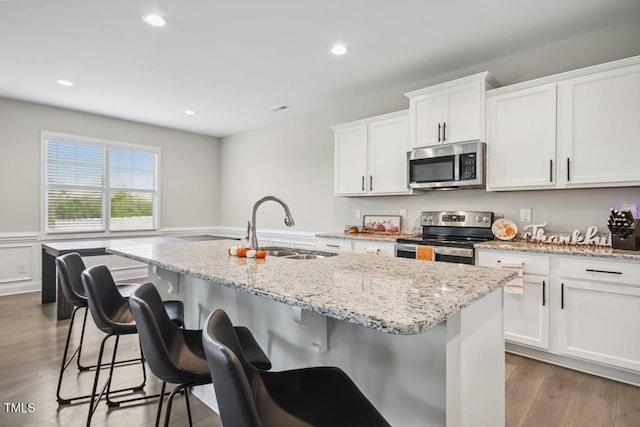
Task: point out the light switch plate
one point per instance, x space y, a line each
525 215
403 213
358 214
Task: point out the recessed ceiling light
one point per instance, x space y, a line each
154 20
190 112
65 83
338 49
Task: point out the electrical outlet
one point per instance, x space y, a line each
403 213
525 215
358 214
22 268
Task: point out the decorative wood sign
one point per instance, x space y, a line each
535 233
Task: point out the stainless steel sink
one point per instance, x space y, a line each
295 253
304 256
278 252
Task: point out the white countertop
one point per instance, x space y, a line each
392 237
393 295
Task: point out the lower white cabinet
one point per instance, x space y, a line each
580 312
374 247
599 317
334 245
526 314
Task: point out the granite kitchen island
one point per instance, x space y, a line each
423 340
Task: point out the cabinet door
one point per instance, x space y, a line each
600 322
599 127
526 315
426 119
388 146
521 139
350 163
374 247
463 117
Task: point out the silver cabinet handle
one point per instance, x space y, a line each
362 182
370 182
332 246
550 170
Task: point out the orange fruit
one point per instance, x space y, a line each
261 254
243 251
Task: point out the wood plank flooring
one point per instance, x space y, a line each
32 342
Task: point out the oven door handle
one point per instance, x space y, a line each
439 250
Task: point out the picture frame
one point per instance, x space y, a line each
382 224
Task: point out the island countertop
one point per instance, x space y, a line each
392 295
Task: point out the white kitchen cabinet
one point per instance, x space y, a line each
573 130
449 112
599 311
526 315
374 247
334 245
521 139
350 163
598 128
371 156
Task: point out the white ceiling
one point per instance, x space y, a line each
233 61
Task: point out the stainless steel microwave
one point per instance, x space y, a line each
447 166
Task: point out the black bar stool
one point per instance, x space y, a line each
70 267
248 397
176 355
111 314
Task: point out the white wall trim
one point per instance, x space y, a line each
29 236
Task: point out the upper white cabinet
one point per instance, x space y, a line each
575 130
521 136
599 128
371 156
449 112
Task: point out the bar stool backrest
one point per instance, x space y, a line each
157 333
231 373
70 268
109 309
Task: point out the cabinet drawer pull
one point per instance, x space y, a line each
438 132
550 170
362 182
499 261
370 182
568 169
444 132
602 271
332 246
562 296
544 297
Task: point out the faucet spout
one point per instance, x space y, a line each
288 219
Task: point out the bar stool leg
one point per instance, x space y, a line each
65 363
164 385
84 324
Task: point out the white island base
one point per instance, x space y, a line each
451 375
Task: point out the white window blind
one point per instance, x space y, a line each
93 187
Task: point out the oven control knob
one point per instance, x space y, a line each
479 219
487 219
427 218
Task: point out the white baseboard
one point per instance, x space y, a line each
19 288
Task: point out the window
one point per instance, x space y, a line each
99 186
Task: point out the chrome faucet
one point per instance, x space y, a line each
251 227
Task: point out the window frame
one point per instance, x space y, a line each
100 142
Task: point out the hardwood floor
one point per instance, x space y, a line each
537 394
30 356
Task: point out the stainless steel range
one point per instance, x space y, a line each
452 235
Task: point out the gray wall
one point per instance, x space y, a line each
294 159
189 168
